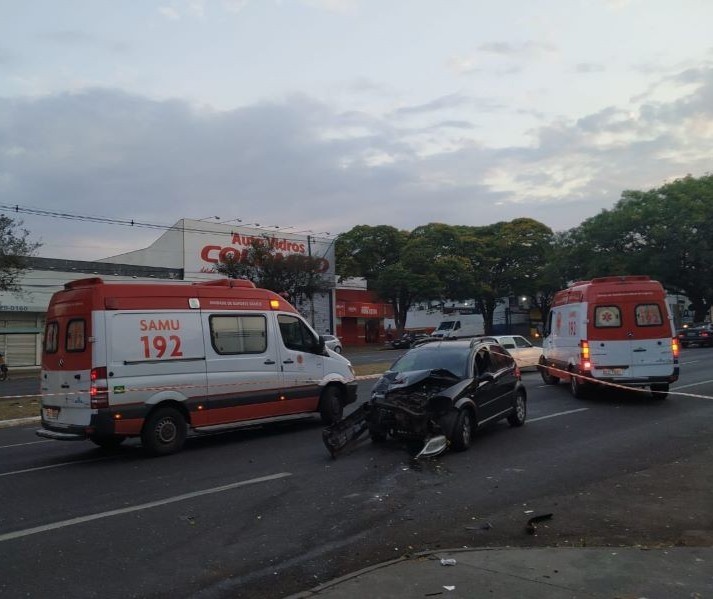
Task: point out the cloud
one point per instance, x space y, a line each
303 164
345 7
519 50
169 12
589 67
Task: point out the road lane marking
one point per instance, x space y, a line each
143 506
557 414
28 443
677 387
55 466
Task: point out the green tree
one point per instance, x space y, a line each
663 232
378 254
295 276
504 259
15 249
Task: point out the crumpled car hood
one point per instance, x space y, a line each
420 382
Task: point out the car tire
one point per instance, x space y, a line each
684 344
107 442
331 409
519 410
547 378
659 391
338 349
462 435
576 386
164 432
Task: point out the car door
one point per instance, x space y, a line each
503 366
302 365
486 392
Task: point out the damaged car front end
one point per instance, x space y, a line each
438 394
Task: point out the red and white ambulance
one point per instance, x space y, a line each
153 360
611 330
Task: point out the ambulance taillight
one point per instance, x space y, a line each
98 390
675 348
585 363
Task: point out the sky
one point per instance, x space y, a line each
320 115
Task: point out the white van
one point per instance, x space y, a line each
459 326
152 360
611 329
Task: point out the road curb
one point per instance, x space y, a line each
19 421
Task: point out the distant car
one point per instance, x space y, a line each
447 388
407 340
333 343
525 353
701 334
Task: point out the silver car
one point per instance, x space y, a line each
333 343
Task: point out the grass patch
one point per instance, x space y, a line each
24 407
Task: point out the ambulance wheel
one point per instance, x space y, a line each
108 442
463 430
164 432
330 405
659 391
576 386
547 378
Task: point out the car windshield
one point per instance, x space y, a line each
447 325
453 359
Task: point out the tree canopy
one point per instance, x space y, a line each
15 248
295 276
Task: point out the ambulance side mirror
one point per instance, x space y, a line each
321 346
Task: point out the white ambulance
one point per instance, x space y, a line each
611 330
153 360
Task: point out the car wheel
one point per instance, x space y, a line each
547 378
338 349
659 391
576 386
463 430
330 405
684 344
164 432
108 442
519 410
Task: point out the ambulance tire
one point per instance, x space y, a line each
659 391
164 432
576 386
548 378
330 405
107 442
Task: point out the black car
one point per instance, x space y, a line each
701 334
447 388
407 340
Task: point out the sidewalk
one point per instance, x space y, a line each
537 573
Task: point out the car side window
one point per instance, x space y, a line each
483 363
296 335
500 358
522 342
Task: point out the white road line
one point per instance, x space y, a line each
29 443
677 387
144 506
55 466
557 414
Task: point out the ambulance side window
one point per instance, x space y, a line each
607 316
76 340
296 335
648 315
51 337
238 334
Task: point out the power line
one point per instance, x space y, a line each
148 225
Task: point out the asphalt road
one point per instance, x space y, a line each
267 512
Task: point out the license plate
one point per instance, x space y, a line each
613 371
50 413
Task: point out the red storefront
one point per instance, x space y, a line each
360 317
